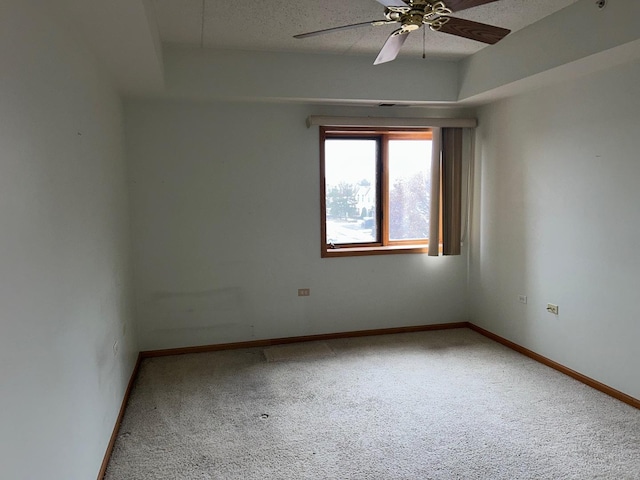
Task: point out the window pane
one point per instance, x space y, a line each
351 190
409 189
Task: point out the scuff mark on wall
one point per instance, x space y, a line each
209 308
213 292
220 333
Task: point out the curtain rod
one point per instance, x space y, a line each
390 122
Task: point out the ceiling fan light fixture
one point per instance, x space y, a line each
437 23
400 10
392 16
436 15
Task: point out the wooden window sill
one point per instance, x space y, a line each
377 250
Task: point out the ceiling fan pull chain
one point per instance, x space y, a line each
424 43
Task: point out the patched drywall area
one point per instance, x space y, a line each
67 346
226 219
557 220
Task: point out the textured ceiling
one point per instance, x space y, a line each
270 25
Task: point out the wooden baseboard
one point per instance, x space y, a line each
306 338
116 428
617 394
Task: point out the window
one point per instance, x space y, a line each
375 191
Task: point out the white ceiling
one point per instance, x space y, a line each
249 60
269 25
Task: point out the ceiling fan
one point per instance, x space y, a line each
413 14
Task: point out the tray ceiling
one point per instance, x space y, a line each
270 25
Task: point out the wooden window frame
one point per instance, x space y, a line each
385 246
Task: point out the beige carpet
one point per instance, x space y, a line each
434 405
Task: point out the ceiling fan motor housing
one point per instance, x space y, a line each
412 20
418 13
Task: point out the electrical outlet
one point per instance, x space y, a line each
551 308
304 292
522 298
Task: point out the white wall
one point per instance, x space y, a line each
193 73
226 209
546 50
557 219
64 251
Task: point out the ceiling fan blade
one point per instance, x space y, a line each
374 23
392 46
457 5
393 3
474 30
